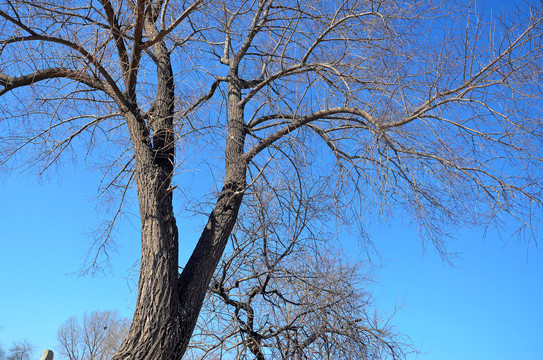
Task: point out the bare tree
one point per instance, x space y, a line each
389 108
97 338
69 336
283 291
21 350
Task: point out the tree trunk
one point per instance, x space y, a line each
169 304
157 325
196 276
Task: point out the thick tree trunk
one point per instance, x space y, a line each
157 325
168 304
196 276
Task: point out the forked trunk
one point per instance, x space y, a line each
157 324
169 303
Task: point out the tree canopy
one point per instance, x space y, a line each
329 114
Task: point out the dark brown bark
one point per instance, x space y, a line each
157 326
168 304
196 276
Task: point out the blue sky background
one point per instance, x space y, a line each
487 306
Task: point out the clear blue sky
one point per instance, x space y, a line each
488 306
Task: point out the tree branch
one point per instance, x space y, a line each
117 35
9 83
300 121
162 33
119 96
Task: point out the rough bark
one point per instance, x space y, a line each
196 276
168 304
397 114
156 327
